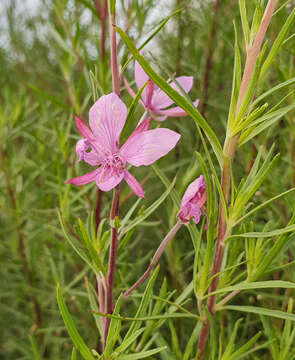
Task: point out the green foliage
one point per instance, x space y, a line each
52 67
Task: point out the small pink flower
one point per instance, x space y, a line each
99 146
154 99
193 200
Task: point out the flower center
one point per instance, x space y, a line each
113 165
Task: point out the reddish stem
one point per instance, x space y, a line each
114 63
112 259
155 258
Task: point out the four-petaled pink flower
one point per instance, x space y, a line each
193 200
99 146
154 99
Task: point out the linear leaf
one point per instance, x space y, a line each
278 42
266 234
143 354
272 90
255 285
260 311
72 330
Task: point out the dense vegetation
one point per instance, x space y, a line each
54 64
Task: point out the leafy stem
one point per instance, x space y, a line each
229 149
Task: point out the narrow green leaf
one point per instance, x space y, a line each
248 94
267 234
272 115
148 318
191 344
131 111
272 253
255 285
260 311
253 183
129 341
93 301
143 354
278 42
35 350
245 25
174 194
74 354
235 85
114 329
145 301
245 347
230 345
272 90
262 205
250 119
75 246
71 328
92 251
112 6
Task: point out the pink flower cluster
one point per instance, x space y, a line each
99 146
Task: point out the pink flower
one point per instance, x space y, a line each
154 99
99 146
193 200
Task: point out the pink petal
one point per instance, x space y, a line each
128 88
139 75
107 180
83 129
189 211
176 111
148 146
192 190
81 147
84 179
134 184
195 213
92 157
107 117
161 100
131 92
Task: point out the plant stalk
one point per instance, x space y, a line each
112 258
229 149
117 190
155 258
113 45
